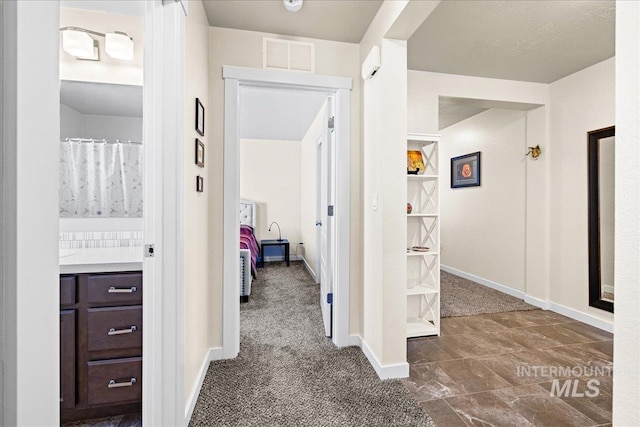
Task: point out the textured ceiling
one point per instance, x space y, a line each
101 98
278 114
339 20
536 41
453 110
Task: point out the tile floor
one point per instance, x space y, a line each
131 420
474 374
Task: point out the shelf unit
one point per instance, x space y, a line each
423 229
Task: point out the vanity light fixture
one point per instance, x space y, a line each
78 42
293 5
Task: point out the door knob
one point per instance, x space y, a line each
318 223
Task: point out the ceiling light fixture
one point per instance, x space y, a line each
78 42
293 5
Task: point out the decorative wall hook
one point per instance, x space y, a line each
535 152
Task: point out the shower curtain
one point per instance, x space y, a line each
100 179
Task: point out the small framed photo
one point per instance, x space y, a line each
199 184
465 171
199 153
199 117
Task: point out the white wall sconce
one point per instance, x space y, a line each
535 152
78 42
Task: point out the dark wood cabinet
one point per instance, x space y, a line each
67 359
100 345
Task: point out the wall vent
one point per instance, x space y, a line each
278 54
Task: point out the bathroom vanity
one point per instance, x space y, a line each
100 333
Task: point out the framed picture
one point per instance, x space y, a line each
199 117
199 153
199 184
465 171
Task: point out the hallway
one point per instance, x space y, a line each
289 374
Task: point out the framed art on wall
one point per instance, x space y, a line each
465 170
199 153
199 117
199 184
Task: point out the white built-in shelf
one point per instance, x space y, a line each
421 177
423 267
421 290
417 327
421 253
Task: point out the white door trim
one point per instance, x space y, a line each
341 87
163 400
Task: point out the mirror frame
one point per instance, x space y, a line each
595 292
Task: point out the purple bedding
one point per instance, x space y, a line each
248 241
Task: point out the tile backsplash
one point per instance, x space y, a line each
100 239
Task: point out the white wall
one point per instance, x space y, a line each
483 228
198 296
74 124
270 176
581 102
309 191
626 392
30 311
107 70
244 49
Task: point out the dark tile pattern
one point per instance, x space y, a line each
509 369
131 420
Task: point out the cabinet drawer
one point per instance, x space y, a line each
67 290
114 381
114 288
114 328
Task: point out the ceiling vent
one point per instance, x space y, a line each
280 54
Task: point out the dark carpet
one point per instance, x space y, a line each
462 297
289 374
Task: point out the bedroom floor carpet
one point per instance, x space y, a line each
289 374
462 297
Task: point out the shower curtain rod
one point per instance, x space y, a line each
104 141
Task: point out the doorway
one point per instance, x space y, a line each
339 87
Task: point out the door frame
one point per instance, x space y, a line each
340 87
163 401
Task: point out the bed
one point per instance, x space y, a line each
249 248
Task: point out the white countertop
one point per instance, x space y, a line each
100 260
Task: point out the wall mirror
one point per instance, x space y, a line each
601 149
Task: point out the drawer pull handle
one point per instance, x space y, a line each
114 331
114 384
114 290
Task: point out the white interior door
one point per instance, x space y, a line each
325 224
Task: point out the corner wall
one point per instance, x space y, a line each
198 293
483 228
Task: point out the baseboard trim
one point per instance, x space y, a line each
280 258
214 353
309 269
355 340
582 317
385 372
545 305
488 283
